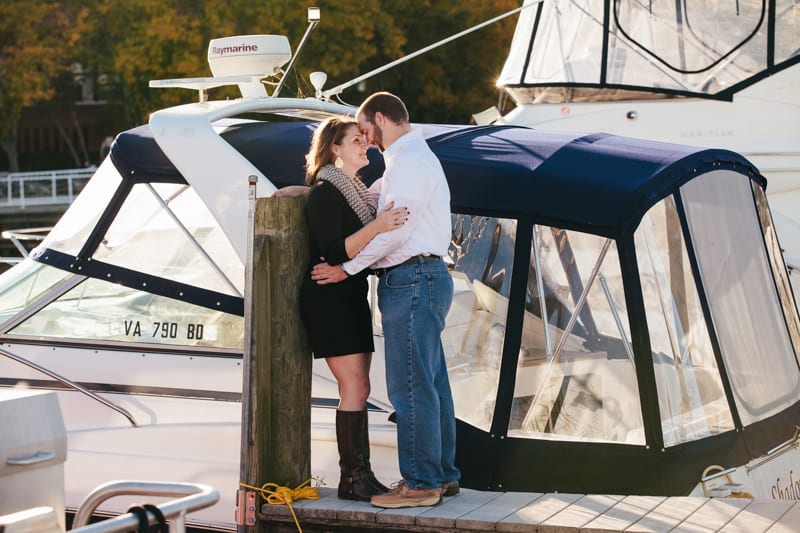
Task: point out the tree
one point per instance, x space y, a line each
140 40
122 45
36 37
449 83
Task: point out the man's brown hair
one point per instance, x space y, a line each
389 105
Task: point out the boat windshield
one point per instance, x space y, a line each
705 48
23 284
151 265
74 227
576 372
158 229
97 310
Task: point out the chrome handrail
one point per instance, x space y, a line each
71 384
196 496
28 234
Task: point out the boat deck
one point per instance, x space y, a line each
474 510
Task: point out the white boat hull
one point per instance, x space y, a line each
180 436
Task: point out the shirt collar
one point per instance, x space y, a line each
401 142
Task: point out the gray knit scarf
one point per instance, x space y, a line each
355 192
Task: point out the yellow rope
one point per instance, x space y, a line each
274 494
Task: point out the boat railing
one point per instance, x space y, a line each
69 383
16 236
194 496
48 187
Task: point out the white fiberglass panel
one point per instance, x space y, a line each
23 284
72 230
691 399
99 310
166 230
576 377
738 282
481 255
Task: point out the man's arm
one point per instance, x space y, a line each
408 187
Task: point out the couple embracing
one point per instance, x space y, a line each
400 230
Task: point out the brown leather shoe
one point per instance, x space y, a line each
402 495
450 488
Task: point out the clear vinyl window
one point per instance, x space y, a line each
691 399
165 230
576 377
481 255
742 294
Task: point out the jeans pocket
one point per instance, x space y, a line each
401 277
440 290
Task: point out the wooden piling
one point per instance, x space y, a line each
276 437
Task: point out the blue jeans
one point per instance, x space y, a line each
414 301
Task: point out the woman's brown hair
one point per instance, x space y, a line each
329 132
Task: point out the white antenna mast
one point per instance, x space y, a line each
313 20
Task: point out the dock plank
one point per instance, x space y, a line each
789 522
485 517
361 512
400 517
667 515
759 516
624 514
326 507
445 516
582 511
536 512
714 515
474 510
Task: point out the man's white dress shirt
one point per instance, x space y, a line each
414 179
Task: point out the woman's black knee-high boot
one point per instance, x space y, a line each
356 482
376 485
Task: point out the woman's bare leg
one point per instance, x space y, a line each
352 376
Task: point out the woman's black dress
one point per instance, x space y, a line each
337 316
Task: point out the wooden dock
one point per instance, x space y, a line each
474 510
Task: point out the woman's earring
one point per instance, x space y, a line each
339 162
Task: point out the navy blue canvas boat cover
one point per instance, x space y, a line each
599 183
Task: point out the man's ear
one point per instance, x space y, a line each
379 119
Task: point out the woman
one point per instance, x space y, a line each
341 218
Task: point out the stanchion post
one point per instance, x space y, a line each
246 506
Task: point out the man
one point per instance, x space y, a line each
415 291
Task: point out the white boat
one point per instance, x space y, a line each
33 447
713 73
622 322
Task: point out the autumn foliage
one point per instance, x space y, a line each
123 44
